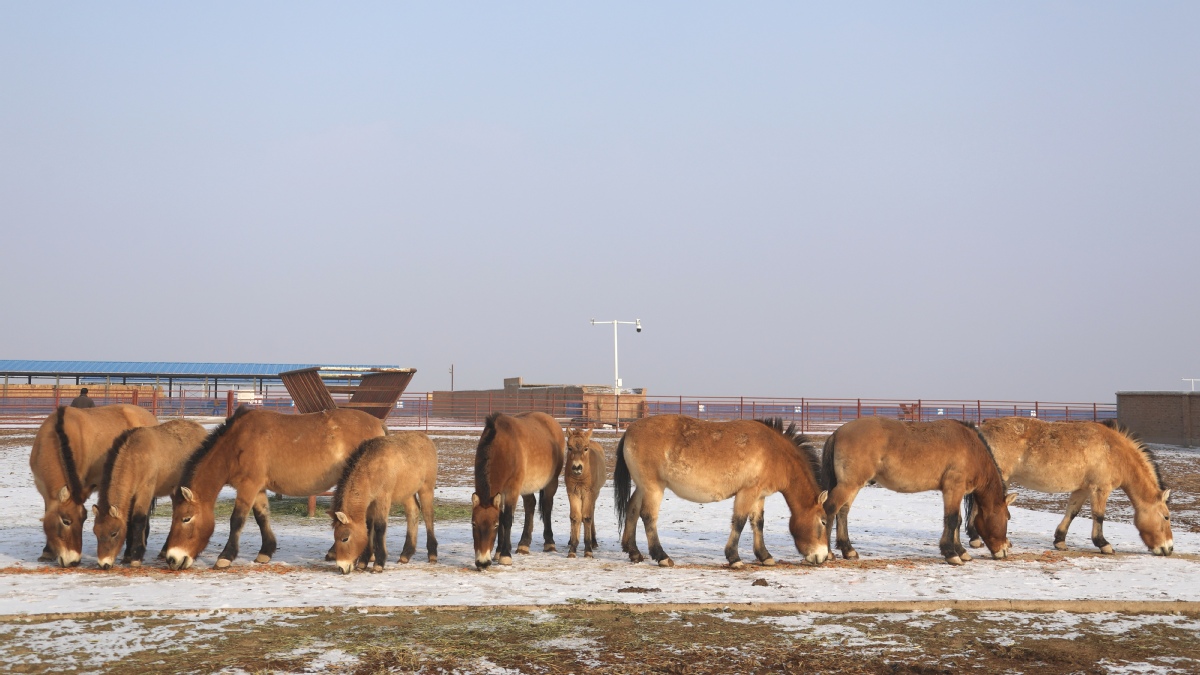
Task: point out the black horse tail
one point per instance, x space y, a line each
828 475
545 505
621 483
67 456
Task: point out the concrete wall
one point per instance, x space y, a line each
1161 416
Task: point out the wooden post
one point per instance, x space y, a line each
228 403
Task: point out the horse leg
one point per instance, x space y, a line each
629 536
1074 506
575 500
410 534
973 537
425 502
1099 504
241 506
741 511
368 552
589 524
949 544
135 547
837 507
527 532
262 516
547 507
379 537
650 503
504 533
756 525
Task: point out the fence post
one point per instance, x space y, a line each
135 395
741 404
154 401
858 411
1036 411
978 412
228 403
1094 418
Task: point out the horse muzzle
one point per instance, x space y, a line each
345 568
819 557
482 563
577 469
178 560
105 563
68 558
1166 549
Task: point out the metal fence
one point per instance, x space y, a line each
416 410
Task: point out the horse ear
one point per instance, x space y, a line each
822 497
112 511
587 435
474 499
64 494
1011 498
1166 495
95 510
498 500
187 493
342 517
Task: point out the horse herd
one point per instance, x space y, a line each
122 451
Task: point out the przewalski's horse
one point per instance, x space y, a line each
1089 460
67 462
946 455
145 463
517 456
257 450
401 466
583 476
710 461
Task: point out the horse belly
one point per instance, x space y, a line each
701 494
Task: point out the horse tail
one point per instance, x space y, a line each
68 457
828 475
544 504
621 483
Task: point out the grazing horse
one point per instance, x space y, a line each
583 476
68 462
1089 460
401 466
145 463
945 455
702 462
517 456
258 450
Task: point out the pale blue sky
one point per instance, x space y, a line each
937 200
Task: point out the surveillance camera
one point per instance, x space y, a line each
638 324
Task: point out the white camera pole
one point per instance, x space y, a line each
616 371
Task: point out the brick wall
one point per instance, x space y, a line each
1161 416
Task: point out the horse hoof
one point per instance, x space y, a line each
360 566
636 557
735 565
976 543
135 563
666 562
965 557
506 560
850 555
1107 549
46 557
378 569
571 554
523 550
403 559
262 558
222 563
1060 545
433 560
955 560
549 548
588 554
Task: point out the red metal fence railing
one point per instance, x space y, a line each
416 410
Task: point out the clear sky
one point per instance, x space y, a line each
934 200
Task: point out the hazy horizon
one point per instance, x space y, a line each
992 200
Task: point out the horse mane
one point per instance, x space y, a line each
991 456
1147 454
351 464
798 441
482 455
110 462
210 441
68 458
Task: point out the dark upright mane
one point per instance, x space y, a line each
351 463
210 441
109 463
1137 442
798 441
482 454
68 457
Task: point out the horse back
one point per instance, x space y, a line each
90 433
1061 456
525 454
909 456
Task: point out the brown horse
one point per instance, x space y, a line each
711 461
145 463
401 466
945 455
517 456
68 462
1089 460
584 475
254 451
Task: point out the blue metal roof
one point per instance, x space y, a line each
158 368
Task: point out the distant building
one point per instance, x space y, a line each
1171 417
581 404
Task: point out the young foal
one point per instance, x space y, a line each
67 461
145 463
584 475
254 451
946 455
517 456
711 461
401 466
1088 460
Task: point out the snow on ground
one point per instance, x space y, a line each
895 534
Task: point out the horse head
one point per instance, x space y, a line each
579 444
192 526
109 529
1153 522
992 522
63 525
809 526
349 541
485 521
